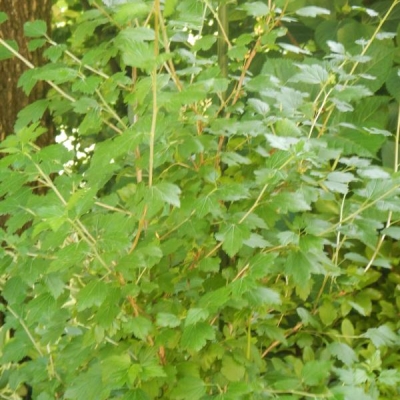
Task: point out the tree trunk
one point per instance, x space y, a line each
12 98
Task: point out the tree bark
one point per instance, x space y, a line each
12 98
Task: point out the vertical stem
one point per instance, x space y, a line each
389 218
223 31
248 350
154 92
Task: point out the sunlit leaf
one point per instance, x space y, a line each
312 11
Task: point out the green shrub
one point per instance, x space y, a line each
230 235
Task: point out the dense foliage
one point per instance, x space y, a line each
223 223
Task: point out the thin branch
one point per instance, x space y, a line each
31 66
278 342
154 93
26 329
222 30
389 218
52 84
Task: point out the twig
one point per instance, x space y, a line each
26 329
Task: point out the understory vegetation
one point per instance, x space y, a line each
219 218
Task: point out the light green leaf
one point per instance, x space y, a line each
86 385
31 113
315 372
56 74
233 192
389 377
393 83
137 34
232 236
168 192
281 143
127 13
336 47
141 327
343 352
210 264
312 11
16 348
189 387
382 336
138 54
195 337
195 315
255 8
14 290
42 307
87 85
373 173
290 202
313 74
169 7
259 106
393 232
379 66
114 369
29 133
232 370
256 241
327 312
287 127
93 294
262 296
293 49
231 158
81 201
6 54
359 308
338 181
204 43
307 318
151 369
91 124
347 329
167 320
3 17
55 284
35 29
36 44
